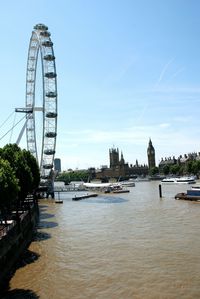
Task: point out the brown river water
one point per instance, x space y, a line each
123 246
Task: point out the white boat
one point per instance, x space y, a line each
196 187
106 187
187 179
127 183
98 185
180 180
102 186
169 180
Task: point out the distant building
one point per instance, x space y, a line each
181 160
119 168
57 164
151 155
114 157
169 162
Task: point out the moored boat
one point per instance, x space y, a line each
128 183
58 201
84 196
191 194
169 180
196 187
121 191
183 180
186 179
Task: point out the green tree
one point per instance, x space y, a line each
20 161
154 171
24 174
32 163
9 188
78 175
196 167
175 169
166 169
188 167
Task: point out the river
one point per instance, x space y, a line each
125 246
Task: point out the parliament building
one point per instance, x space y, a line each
121 169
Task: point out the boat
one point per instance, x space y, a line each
128 183
196 187
183 180
84 196
121 191
102 187
156 177
58 201
187 179
169 180
106 187
141 179
193 195
99 186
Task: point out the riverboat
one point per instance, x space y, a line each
156 177
169 180
196 187
128 183
180 180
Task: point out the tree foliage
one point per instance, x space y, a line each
195 167
79 175
9 187
24 168
154 171
32 163
190 167
166 169
175 169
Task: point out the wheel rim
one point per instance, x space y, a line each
40 43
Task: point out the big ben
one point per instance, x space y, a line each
151 155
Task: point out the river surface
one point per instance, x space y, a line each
125 246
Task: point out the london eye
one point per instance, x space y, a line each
41 48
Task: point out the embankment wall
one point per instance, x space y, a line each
15 241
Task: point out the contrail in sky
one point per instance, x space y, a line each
177 72
156 85
163 72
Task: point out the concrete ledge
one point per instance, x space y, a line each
17 238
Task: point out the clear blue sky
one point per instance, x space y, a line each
127 71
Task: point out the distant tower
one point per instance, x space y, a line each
151 155
57 164
122 161
114 157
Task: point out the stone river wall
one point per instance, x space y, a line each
15 239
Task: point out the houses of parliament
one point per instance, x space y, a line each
119 168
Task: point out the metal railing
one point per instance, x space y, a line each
5 228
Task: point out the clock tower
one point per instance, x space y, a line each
151 155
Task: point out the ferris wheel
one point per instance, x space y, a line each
41 45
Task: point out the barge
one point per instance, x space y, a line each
84 196
193 195
121 191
